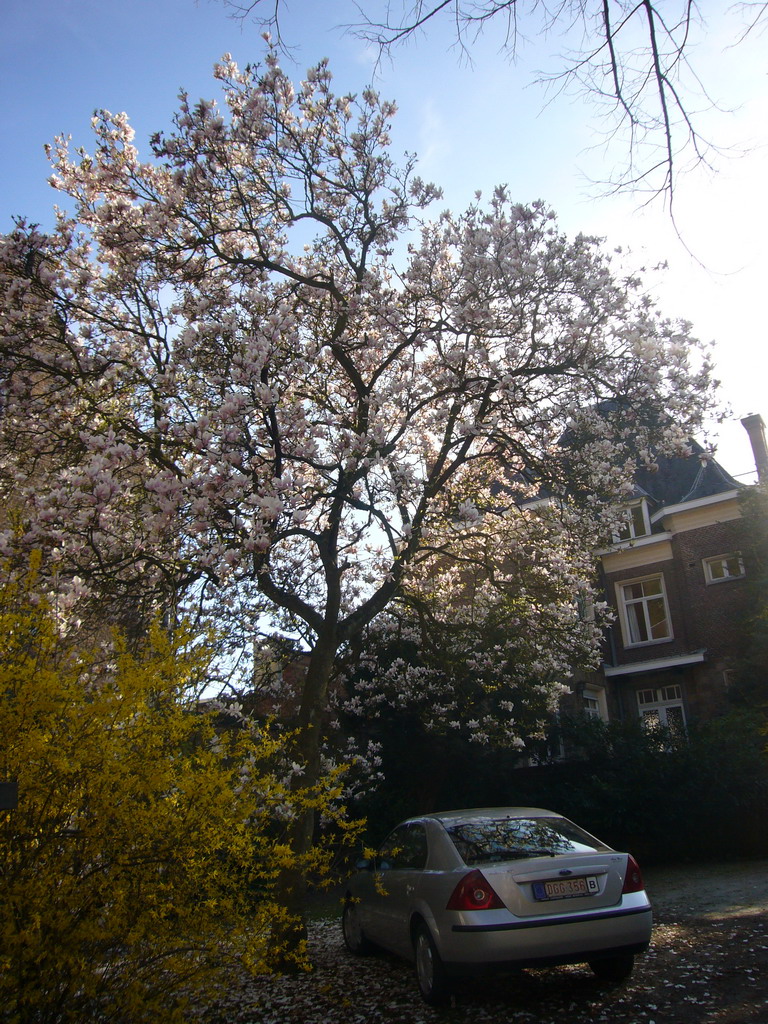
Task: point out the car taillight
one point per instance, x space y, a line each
633 880
474 892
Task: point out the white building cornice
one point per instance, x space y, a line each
687 506
655 665
636 542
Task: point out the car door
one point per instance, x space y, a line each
399 865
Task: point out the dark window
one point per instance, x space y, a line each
405 849
494 839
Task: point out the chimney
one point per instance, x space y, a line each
755 428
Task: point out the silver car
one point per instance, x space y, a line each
498 886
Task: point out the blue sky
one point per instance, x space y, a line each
472 126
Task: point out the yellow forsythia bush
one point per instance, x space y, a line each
136 871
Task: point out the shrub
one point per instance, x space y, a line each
667 798
701 796
138 867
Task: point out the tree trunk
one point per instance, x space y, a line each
291 885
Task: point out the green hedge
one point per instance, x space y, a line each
667 799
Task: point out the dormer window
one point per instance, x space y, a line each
637 523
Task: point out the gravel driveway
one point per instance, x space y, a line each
708 964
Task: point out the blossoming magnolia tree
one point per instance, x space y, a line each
250 370
480 640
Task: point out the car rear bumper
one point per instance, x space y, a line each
569 939
553 960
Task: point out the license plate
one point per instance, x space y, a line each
563 888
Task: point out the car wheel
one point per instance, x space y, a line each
431 974
354 937
613 968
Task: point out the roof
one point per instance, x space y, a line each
684 478
494 813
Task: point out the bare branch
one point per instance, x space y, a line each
757 12
654 94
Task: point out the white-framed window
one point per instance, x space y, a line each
644 611
723 567
661 707
593 703
637 523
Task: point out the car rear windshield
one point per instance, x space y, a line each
493 839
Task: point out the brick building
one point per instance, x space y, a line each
677 580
